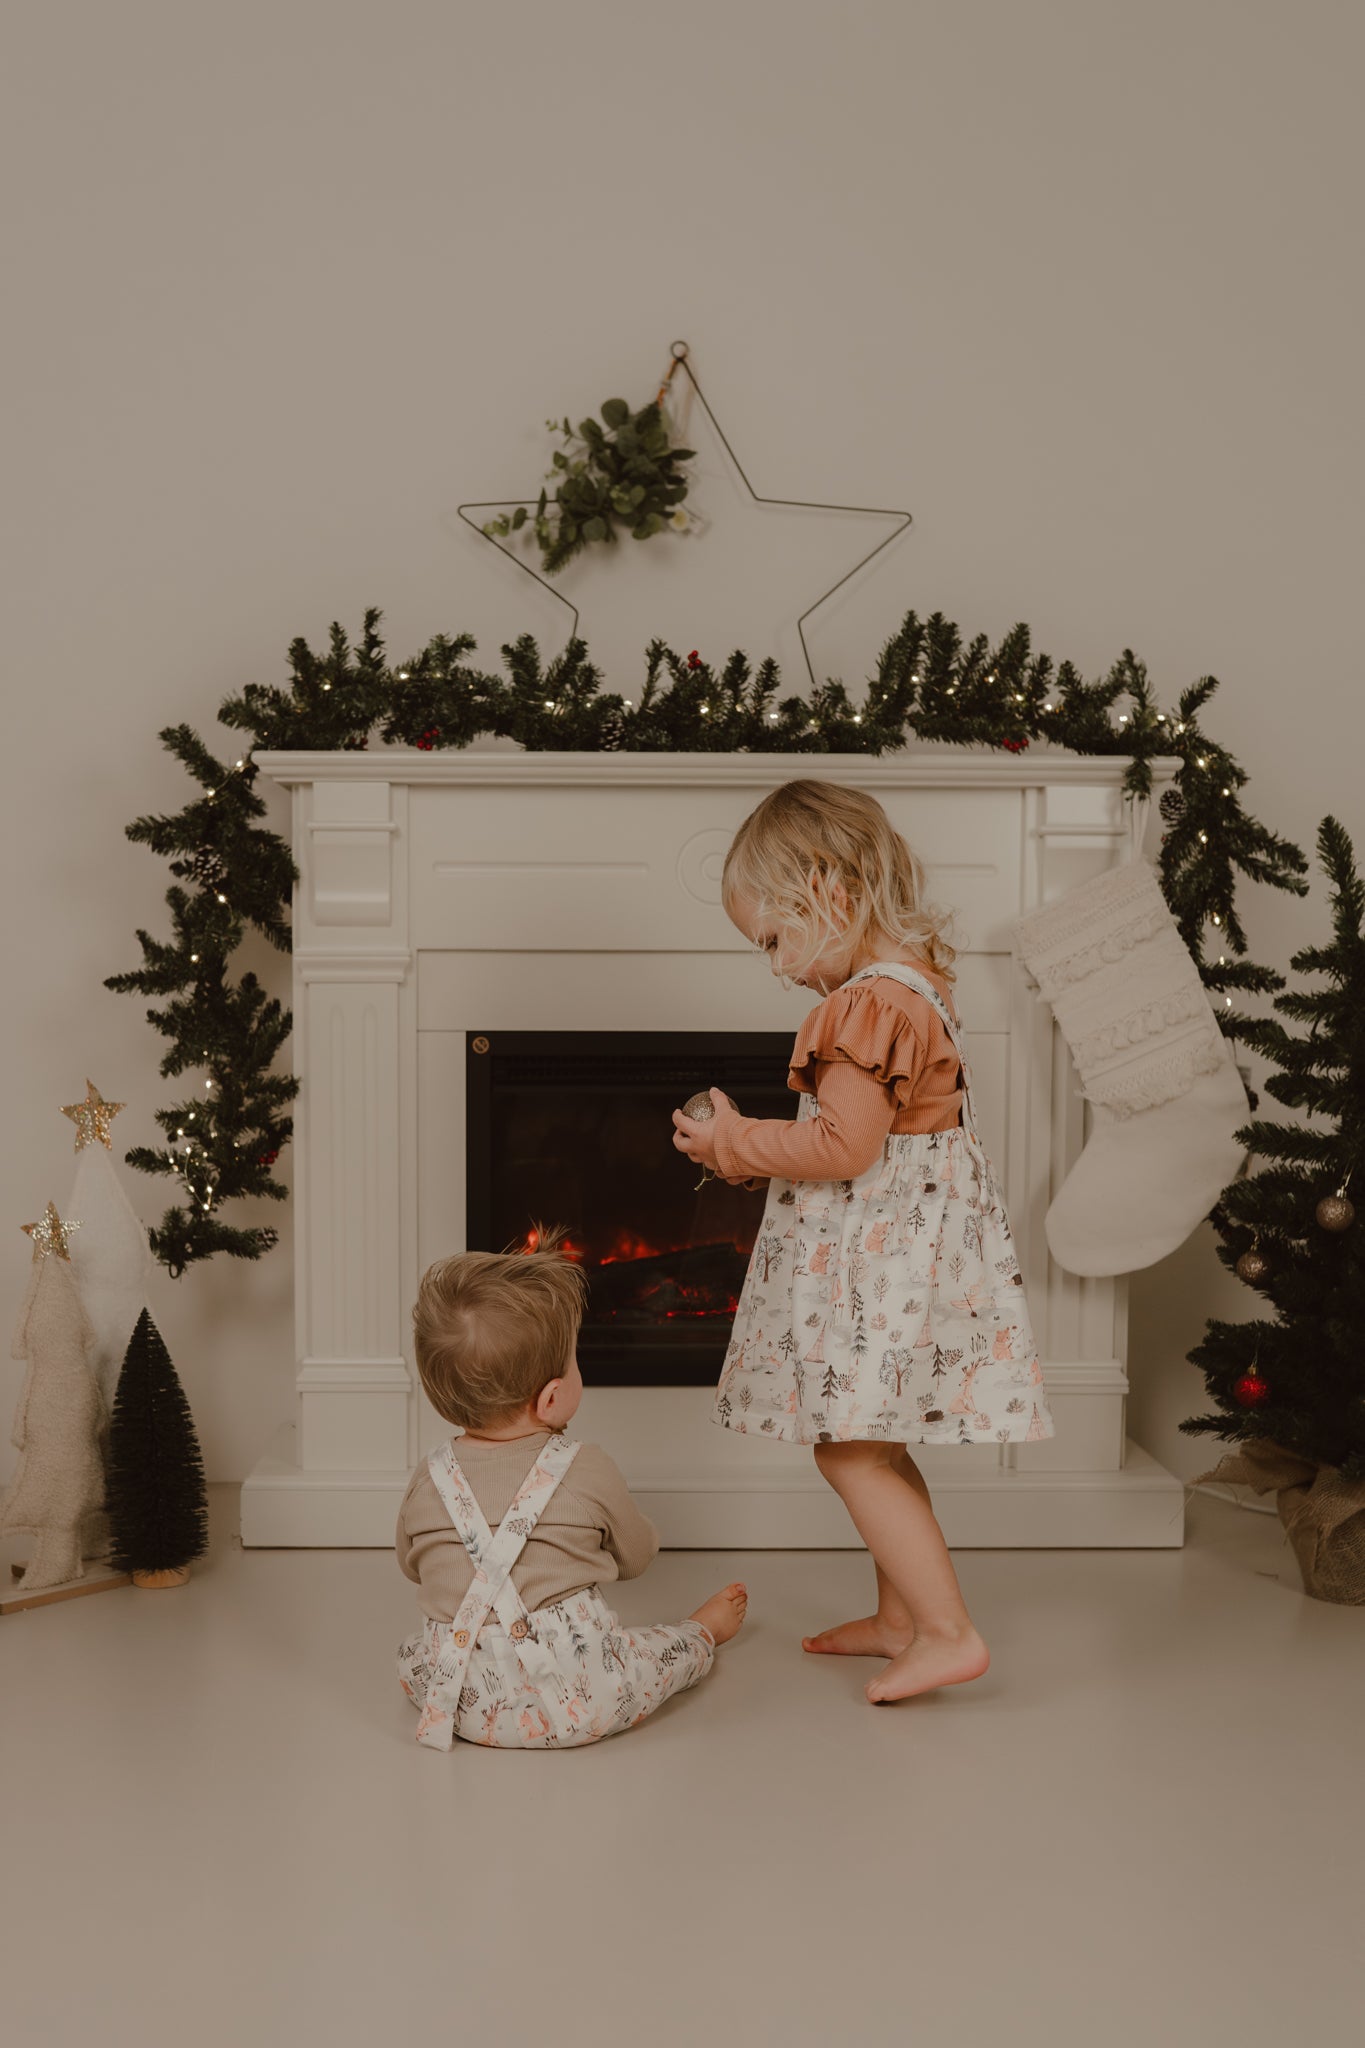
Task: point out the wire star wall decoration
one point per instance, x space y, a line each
681 362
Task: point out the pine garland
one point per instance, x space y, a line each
927 684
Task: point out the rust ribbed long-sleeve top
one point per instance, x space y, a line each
879 1061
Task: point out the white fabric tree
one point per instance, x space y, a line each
59 1425
111 1256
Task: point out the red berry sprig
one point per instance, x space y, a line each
427 740
694 659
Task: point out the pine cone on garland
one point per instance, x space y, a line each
209 868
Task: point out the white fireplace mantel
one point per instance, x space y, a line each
492 889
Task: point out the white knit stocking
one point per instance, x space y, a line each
1166 1093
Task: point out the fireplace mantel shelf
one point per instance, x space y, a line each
925 766
491 889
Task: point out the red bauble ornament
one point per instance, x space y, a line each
1251 1389
694 659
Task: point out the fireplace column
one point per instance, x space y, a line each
352 984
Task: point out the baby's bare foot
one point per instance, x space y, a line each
724 1612
877 1635
931 1661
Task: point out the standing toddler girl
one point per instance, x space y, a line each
883 1304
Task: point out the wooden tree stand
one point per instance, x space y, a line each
74 1589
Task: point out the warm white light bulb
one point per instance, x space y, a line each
1202 762
194 956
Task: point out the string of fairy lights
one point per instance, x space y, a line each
231 872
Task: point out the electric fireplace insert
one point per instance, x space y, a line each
574 1128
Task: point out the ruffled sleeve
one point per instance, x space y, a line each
858 1025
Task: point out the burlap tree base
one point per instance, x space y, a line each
1323 1515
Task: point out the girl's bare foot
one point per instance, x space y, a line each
931 1660
877 1635
724 1612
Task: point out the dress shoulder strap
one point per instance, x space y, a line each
911 978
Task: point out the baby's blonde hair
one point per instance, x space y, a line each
492 1329
807 829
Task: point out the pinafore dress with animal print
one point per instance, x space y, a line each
890 1306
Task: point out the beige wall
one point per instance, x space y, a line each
1076 284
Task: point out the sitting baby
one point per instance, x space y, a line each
511 1528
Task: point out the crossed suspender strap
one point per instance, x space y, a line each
492 1554
922 986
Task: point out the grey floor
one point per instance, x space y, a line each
1143 1826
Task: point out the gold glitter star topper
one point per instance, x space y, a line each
50 1234
93 1117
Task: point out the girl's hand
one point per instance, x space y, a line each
698 1140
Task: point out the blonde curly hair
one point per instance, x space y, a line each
808 829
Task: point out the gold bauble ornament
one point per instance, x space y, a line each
700 1107
1253 1267
1336 1212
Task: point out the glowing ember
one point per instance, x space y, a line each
636 1281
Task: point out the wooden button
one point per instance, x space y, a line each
519 1631
460 1638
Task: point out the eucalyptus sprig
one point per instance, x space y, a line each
624 473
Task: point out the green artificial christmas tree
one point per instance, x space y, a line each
158 1507
1290 1387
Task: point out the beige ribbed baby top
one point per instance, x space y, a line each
590 1533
